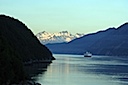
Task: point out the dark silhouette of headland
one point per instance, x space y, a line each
19 48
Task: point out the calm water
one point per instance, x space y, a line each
77 70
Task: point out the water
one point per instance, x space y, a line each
78 70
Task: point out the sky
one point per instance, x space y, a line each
75 16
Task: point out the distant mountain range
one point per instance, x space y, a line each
111 42
60 37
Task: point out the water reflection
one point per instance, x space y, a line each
35 69
77 70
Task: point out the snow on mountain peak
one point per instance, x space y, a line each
60 37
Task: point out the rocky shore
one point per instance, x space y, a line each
26 82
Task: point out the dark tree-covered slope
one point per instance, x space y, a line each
18 45
11 66
22 40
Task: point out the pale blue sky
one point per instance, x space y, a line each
83 16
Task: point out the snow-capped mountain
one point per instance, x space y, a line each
60 37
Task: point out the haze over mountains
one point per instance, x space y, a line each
112 42
60 37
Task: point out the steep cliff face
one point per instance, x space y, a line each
22 40
18 45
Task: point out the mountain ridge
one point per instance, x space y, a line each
112 42
59 37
